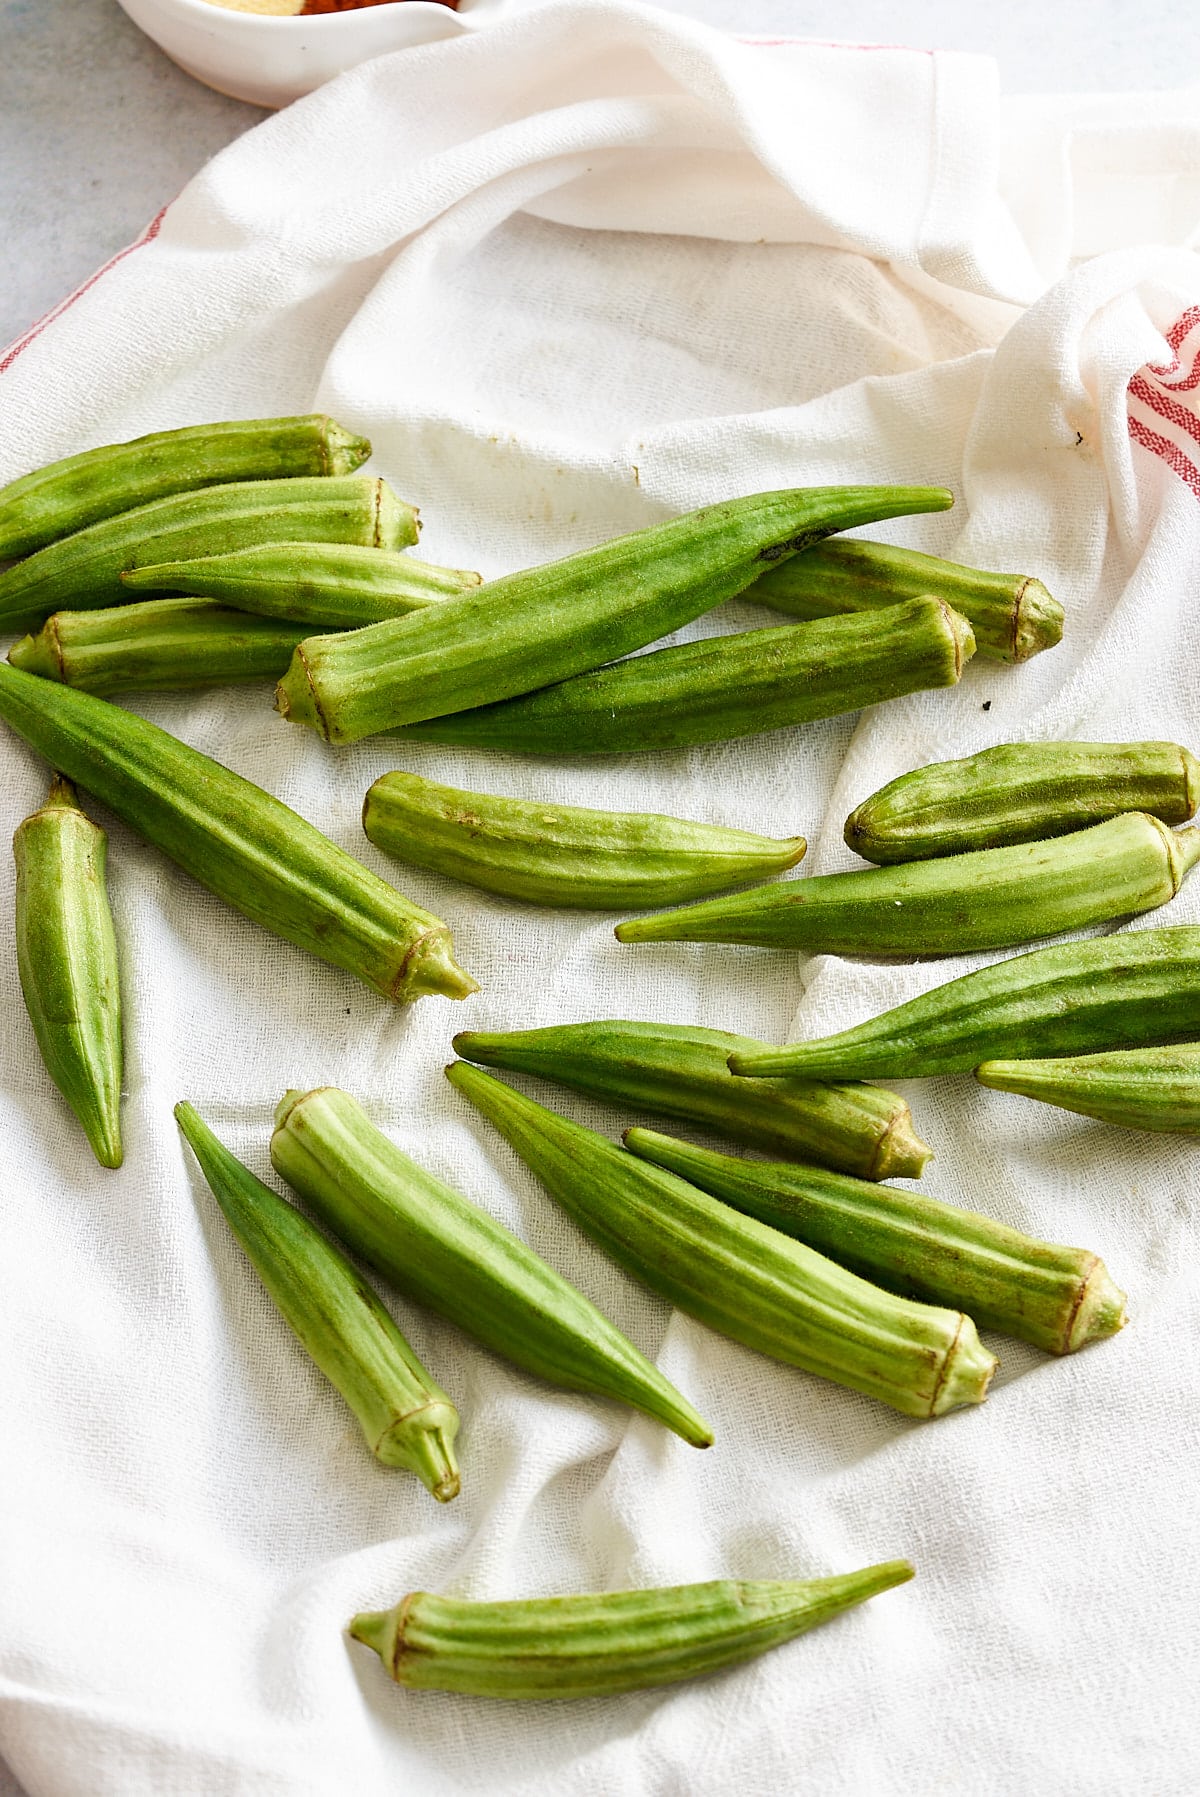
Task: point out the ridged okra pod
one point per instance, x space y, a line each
431 1243
165 645
67 961
68 495
546 623
83 571
405 1415
1121 991
725 687
681 1070
1060 1299
992 898
1012 615
1021 792
550 854
340 585
246 846
734 1273
604 1643
1136 1088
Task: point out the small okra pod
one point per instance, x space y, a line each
1060 1299
1021 792
1012 615
1135 1088
725 687
165 645
1122 991
67 960
443 1251
69 495
549 854
340 585
743 1279
991 898
246 846
682 1071
405 1415
543 624
602 1644
83 571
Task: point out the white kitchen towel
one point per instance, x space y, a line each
572 275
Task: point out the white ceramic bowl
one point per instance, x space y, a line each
272 61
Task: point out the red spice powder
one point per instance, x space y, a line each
315 6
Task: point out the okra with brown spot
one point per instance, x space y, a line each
1135 1088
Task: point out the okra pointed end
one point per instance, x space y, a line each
430 968
379 1630
427 1450
900 1154
1100 1312
104 1135
344 450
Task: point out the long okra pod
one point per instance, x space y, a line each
84 571
725 687
68 495
543 624
1136 1088
405 1415
1058 1298
342 585
165 645
992 898
1112 992
612 1641
550 854
1012 615
244 845
67 961
681 1071
1021 792
734 1273
447 1253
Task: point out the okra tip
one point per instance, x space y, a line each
430 968
1099 1313
900 1152
39 653
427 1451
376 1629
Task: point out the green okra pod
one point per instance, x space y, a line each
1060 1299
341 585
165 645
67 961
1021 792
405 1415
550 854
544 624
725 687
83 571
734 1273
991 898
681 1071
244 845
1012 615
1135 1088
68 495
1121 991
604 1643
447 1253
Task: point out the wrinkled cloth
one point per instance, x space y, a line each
573 275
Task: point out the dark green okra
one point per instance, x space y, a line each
447 1253
546 623
993 898
244 845
1057 1298
550 854
1122 991
165 645
341 585
681 1071
405 1415
1021 792
1135 1088
69 495
1012 615
612 1641
734 1273
67 961
725 687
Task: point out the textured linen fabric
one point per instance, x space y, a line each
573 275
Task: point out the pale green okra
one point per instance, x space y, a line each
1135 1088
164 645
